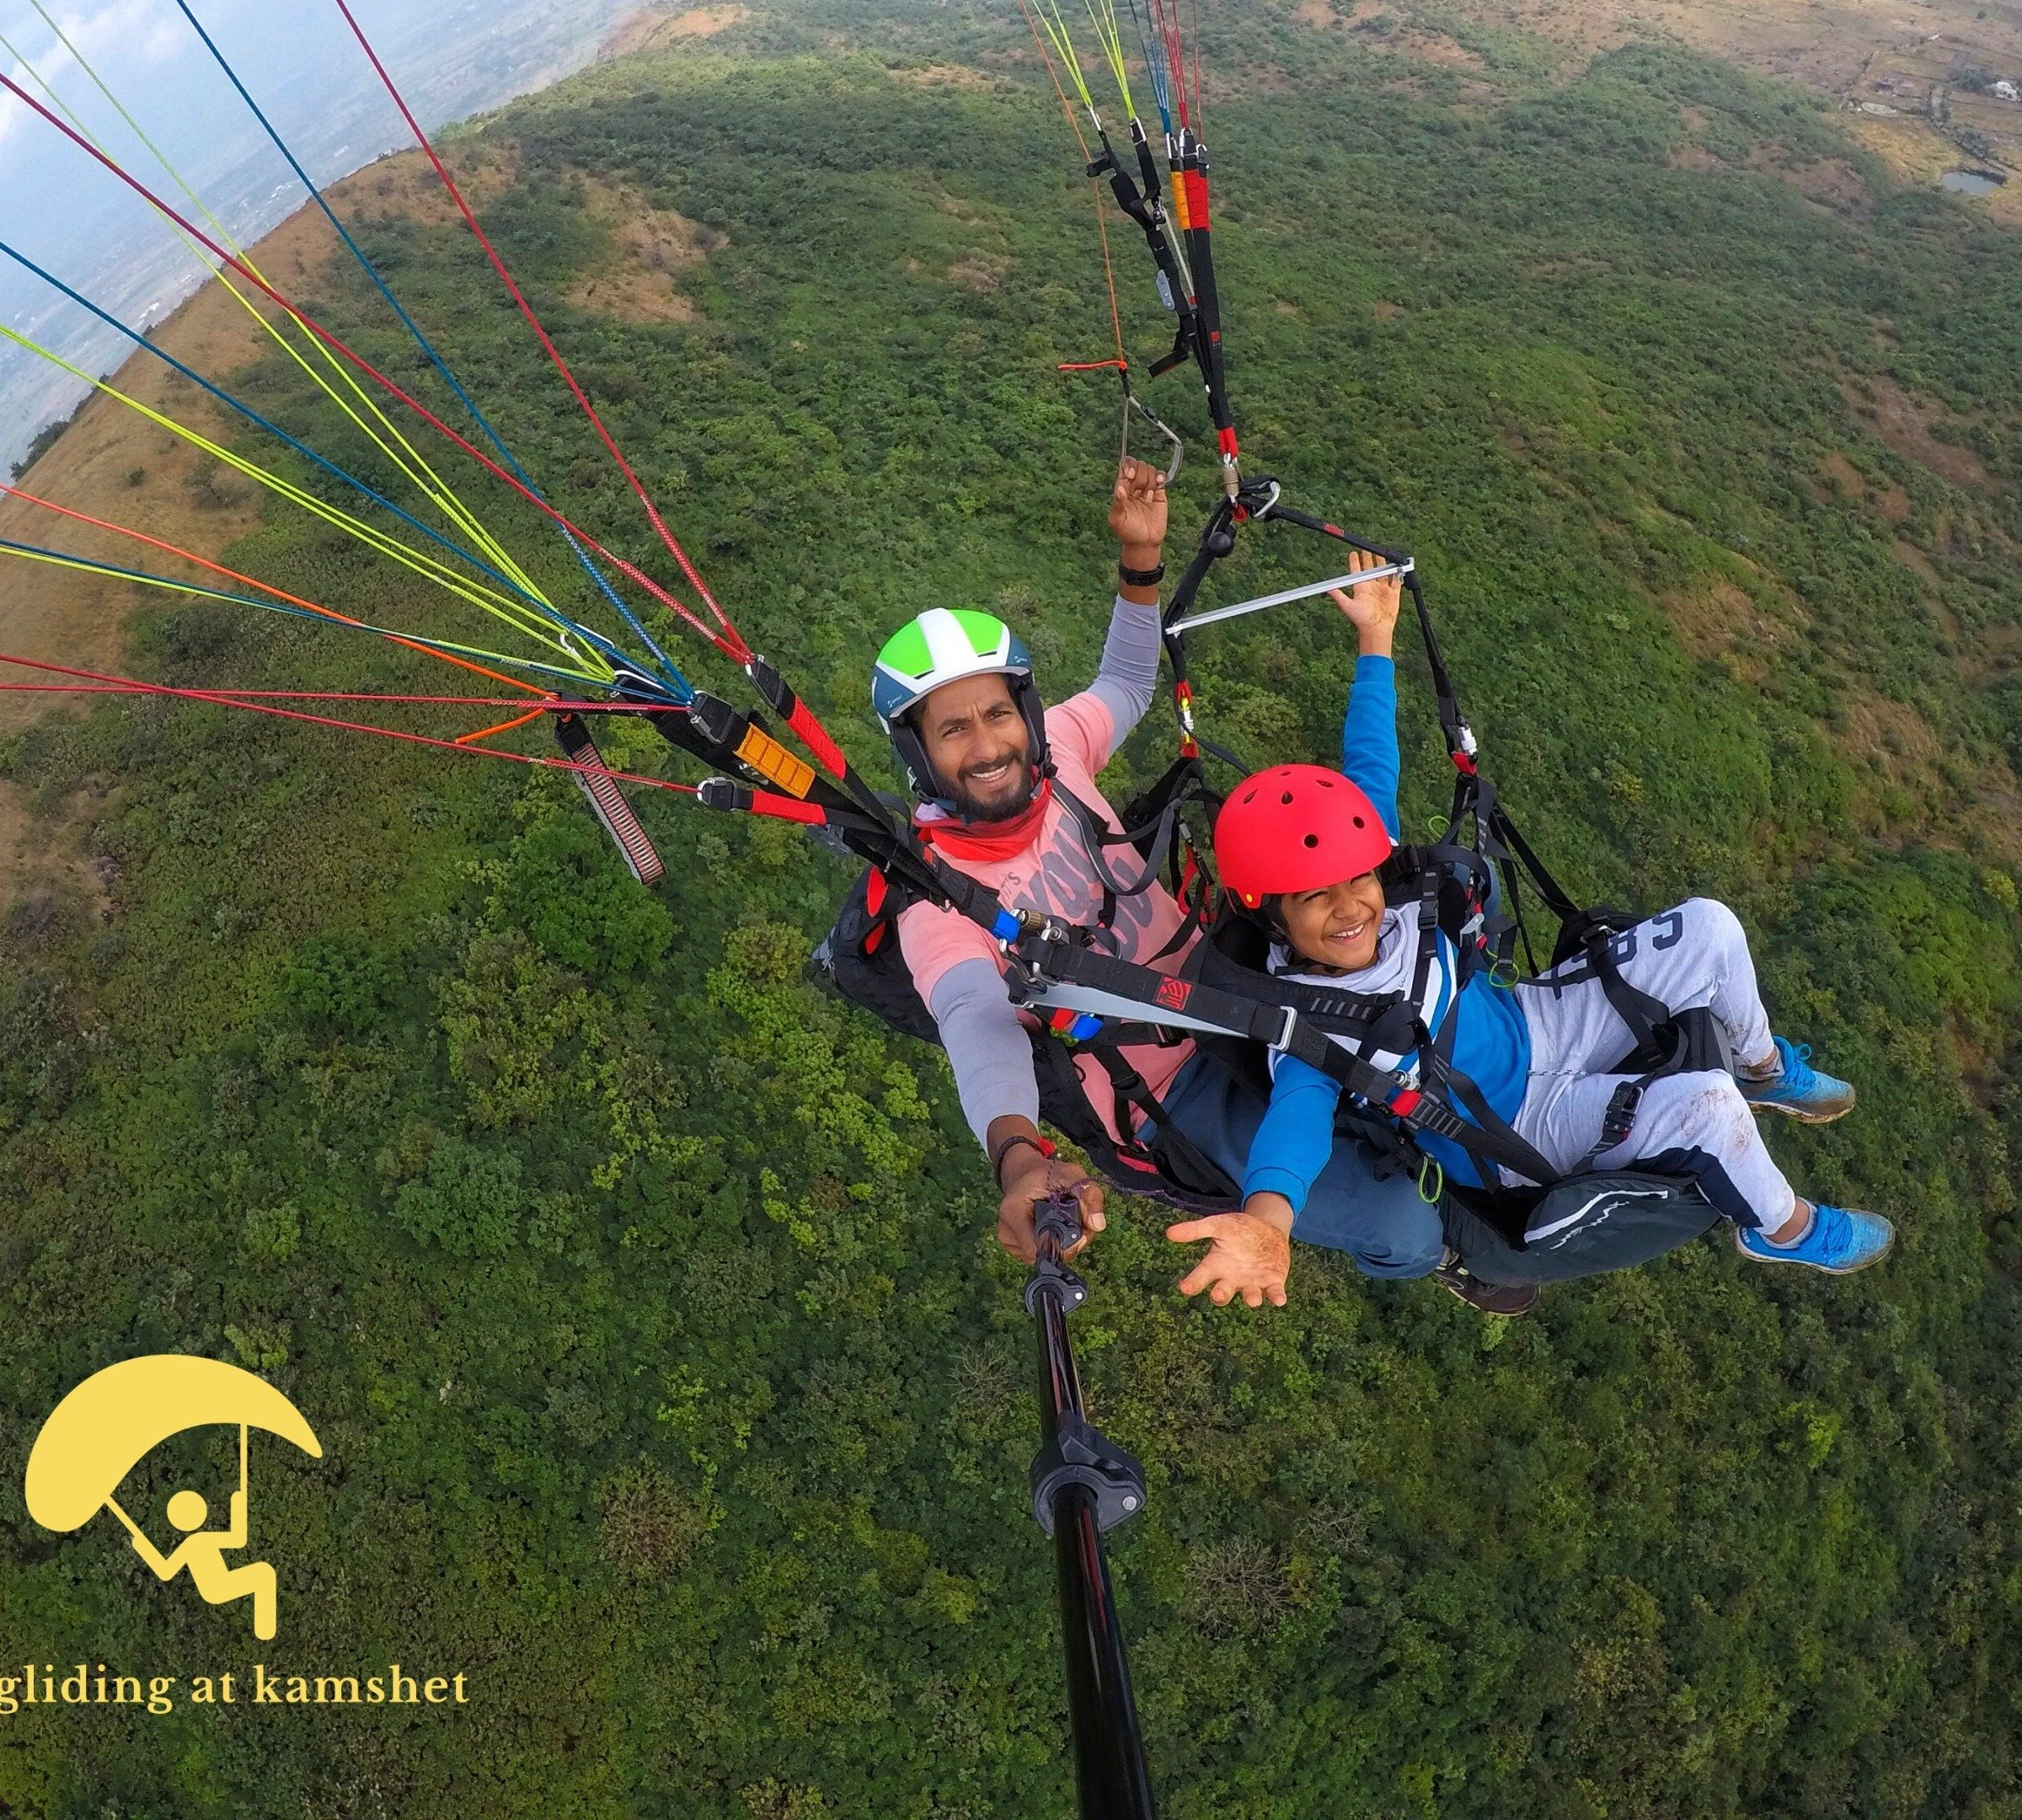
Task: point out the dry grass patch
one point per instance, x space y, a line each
652 247
946 76
1912 798
653 28
1389 23
404 188
980 271
1887 500
1894 415
1831 182
43 858
1718 620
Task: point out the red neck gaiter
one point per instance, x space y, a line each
989 841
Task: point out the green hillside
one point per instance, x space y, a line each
670 1384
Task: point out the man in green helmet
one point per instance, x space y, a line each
989 764
1008 795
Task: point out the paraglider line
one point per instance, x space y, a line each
295 600
549 705
731 647
554 354
504 726
273 429
406 321
405 457
217 699
63 560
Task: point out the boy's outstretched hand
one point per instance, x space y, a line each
1371 606
1249 1257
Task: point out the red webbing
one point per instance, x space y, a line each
815 736
788 808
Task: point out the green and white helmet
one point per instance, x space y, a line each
945 644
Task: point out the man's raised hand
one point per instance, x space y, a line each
1249 1255
1138 512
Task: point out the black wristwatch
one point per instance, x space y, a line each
1140 577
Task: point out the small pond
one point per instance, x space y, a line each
1972 182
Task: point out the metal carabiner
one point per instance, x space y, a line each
1131 402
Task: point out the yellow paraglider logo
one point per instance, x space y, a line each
110 1422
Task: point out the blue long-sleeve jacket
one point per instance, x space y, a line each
1491 1042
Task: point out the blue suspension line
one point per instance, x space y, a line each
225 398
63 558
1154 62
672 674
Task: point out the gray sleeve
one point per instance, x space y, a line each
986 1046
1129 667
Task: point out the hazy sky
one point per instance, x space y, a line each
451 57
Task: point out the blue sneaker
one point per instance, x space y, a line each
1799 1091
1840 1241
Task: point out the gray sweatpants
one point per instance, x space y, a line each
1696 955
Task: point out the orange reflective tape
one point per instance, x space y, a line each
771 760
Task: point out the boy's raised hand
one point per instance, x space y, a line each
1371 606
1249 1257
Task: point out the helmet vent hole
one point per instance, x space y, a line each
1249 796
1358 822
1312 840
1324 783
1285 798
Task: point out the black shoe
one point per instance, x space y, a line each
1506 1300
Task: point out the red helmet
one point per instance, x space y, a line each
1296 827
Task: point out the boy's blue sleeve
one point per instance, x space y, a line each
1369 735
1292 1144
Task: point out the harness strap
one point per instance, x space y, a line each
1642 1013
1548 887
1054 958
1133 1094
1617 1121
1489 1137
1097 834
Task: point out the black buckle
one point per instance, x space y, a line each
1620 1118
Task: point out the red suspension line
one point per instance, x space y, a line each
554 354
280 594
129 685
1166 24
548 705
729 642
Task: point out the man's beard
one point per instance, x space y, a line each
969 808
